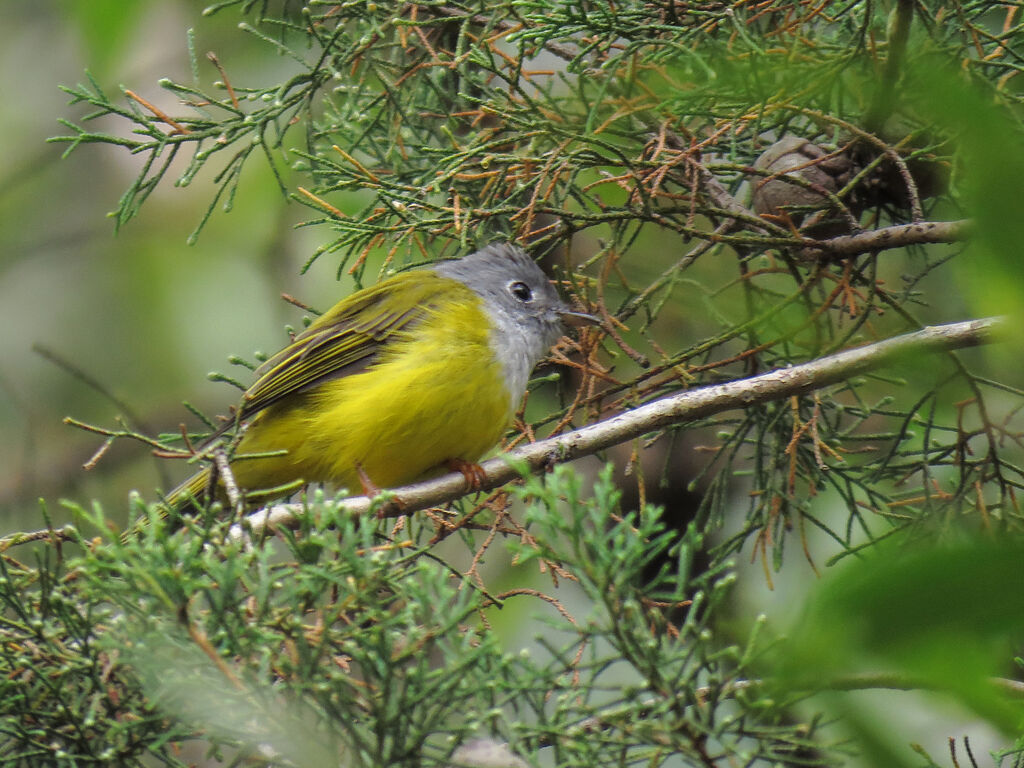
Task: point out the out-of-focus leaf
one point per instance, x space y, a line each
104 26
874 737
944 618
991 152
181 680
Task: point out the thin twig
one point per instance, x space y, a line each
158 113
866 681
224 77
562 51
90 381
896 236
67 533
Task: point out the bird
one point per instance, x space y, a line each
421 372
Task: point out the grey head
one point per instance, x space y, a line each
526 312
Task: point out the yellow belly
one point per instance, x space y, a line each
436 395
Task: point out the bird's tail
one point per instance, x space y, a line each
188 497
185 500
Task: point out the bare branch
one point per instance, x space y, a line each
893 237
668 411
66 533
672 410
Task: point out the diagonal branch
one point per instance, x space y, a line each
671 410
668 411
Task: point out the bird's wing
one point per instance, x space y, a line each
346 339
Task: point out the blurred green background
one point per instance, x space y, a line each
147 315
139 310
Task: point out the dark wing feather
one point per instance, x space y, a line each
344 340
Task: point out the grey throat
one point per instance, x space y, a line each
523 306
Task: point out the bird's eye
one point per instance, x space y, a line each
521 291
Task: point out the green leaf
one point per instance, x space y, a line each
989 169
941 618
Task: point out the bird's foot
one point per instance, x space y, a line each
473 472
370 489
388 507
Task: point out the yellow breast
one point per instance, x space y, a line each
436 393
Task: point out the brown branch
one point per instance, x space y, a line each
224 77
66 533
158 113
896 236
562 51
672 410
